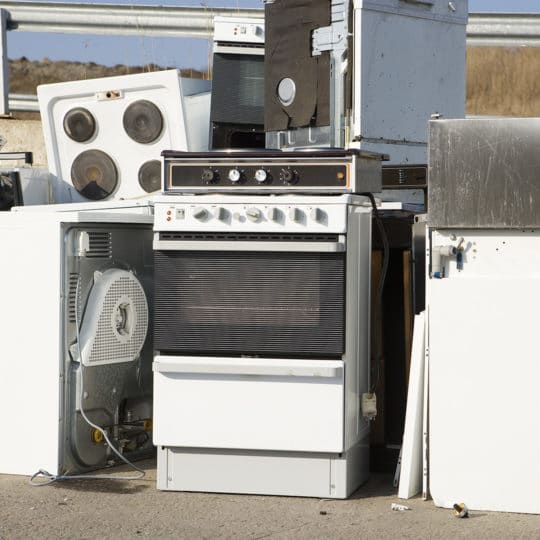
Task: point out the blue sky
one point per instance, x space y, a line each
142 50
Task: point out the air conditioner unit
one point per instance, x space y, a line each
76 336
104 136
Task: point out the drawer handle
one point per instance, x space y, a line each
194 368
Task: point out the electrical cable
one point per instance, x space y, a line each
377 308
49 477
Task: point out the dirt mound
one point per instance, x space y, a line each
25 75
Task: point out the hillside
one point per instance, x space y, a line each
503 81
25 75
500 81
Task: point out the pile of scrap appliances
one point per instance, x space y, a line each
255 277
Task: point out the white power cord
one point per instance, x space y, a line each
50 478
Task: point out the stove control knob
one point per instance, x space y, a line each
235 175
288 176
295 214
253 214
273 214
210 176
200 213
219 213
261 176
315 214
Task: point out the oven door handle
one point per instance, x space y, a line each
240 245
329 369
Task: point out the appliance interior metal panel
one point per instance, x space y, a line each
484 173
119 395
249 302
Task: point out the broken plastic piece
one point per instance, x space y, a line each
399 507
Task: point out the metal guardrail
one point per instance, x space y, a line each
496 29
120 20
23 102
504 29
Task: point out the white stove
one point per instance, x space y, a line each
262 339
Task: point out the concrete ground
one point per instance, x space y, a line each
132 509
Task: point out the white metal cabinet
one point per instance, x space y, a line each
484 433
409 64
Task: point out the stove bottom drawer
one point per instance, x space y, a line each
252 404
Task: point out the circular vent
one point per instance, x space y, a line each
143 121
115 320
150 176
94 175
79 124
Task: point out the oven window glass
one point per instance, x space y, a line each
238 89
276 303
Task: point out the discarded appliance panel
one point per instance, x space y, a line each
484 246
483 173
237 110
104 136
322 171
378 78
89 266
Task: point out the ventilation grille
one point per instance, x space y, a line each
100 245
107 344
248 237
72 297
249 303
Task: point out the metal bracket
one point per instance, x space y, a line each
333 37
14 156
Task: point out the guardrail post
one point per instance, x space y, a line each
4 67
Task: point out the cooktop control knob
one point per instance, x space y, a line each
316 214
261 176
272 214
295 214
219 213
253 214
235 175
288 175
200 213
210 176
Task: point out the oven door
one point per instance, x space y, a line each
249 403
270 295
